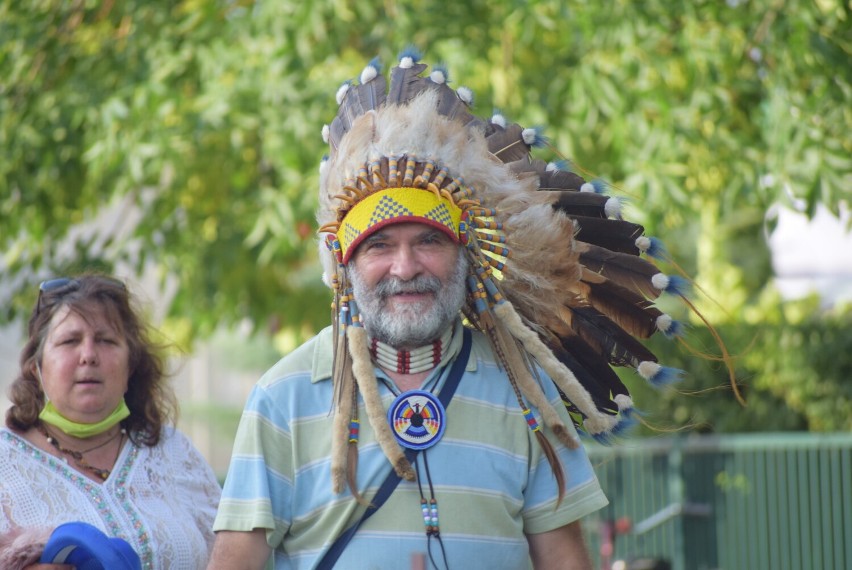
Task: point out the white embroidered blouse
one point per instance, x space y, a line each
162 500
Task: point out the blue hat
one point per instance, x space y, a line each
87 548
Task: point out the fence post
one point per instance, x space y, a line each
676 497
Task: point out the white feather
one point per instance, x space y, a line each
368 74
498 120
466 95
551 167
612 208
660 281
406 62
528 135
438 76
664 322
325 133
587 187
648 369
341 93
623 401
643 243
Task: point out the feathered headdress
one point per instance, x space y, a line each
558 280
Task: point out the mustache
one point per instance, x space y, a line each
395 286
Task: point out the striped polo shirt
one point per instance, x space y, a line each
490 478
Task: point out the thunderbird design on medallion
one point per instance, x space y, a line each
417 419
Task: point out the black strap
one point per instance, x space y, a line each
392 480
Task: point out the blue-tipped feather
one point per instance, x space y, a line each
604 438
666 375
376 64
626 422
599 185
678 286
442 69
412 52
656 248
561 165
537 139
675 330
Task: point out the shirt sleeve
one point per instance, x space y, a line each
583 494
259 484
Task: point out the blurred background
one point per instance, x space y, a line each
176 144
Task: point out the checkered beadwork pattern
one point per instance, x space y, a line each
394 205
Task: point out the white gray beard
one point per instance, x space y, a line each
414 324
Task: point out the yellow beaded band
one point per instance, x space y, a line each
395 205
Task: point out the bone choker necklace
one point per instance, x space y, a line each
411 361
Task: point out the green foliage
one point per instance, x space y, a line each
196 124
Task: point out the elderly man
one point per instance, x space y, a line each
460 291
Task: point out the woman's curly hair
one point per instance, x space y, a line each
151 401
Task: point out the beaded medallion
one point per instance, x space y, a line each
417 419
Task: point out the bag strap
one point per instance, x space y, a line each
392 480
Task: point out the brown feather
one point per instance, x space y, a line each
555 464
450 105
606 338
616 235
579 203
630 311
561 180
405 84
608 382
507 144
627 270
595 384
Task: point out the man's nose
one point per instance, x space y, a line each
405 264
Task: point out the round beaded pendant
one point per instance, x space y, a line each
417 419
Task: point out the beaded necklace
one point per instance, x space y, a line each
77 456
411 361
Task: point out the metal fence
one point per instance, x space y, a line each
736 502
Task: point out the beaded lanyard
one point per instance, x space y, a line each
417 421
430 513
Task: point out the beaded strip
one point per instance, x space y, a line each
411 361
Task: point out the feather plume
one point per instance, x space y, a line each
562 376
597 386
450 105
555 465
630 311
406 83
508 144
608 382
606 338
371 94
629 271
560 180
579 203
615 235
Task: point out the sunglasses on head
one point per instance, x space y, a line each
63 285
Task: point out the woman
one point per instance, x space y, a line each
89 436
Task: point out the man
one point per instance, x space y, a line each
447 342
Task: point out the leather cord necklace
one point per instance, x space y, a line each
77 456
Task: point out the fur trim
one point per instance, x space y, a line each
21 547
